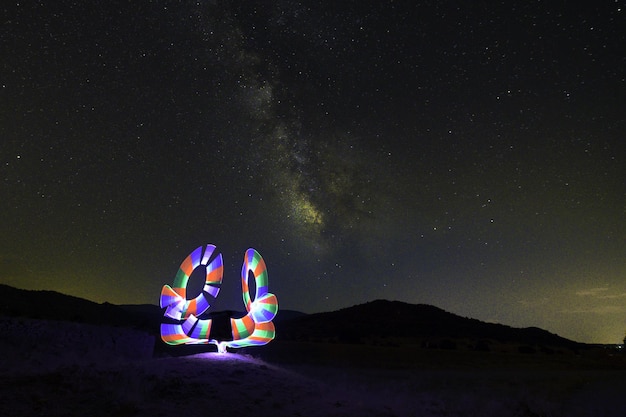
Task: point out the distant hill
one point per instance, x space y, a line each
383 321
52 305
288 315
376 322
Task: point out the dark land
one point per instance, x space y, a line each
67 356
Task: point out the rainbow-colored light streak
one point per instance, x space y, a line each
254 329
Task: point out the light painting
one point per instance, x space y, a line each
184 323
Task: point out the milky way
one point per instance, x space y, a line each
466 156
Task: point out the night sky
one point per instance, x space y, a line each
469 155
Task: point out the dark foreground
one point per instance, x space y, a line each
66 369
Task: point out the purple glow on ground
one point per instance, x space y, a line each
224 357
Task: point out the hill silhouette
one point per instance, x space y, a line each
52 305
375 322
383 321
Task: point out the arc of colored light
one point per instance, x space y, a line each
193 330
256 327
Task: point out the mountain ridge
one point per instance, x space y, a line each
381 320
378 321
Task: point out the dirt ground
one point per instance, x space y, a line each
65 369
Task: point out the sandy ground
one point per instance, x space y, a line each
66 369
198 385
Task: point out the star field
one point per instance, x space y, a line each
465 156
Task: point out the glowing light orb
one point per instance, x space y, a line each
184 324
